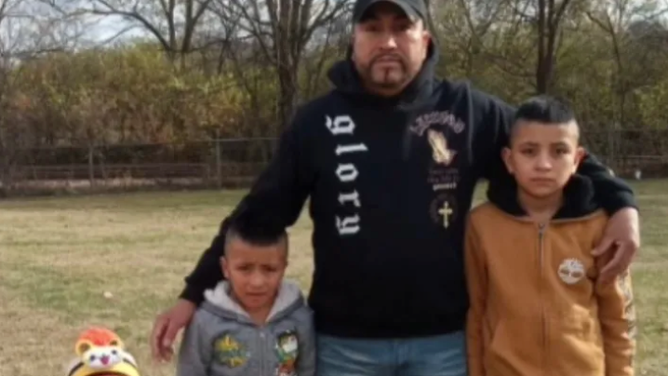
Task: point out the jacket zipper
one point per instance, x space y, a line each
541 234
261 347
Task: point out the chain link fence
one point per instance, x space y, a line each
223 163
235 163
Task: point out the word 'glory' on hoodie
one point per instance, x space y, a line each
537 306
222 340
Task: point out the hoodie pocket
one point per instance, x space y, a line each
576 337
512 349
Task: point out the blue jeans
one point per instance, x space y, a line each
443 355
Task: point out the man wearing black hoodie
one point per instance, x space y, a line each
389 160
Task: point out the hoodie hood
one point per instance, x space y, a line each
578 198
220 302
346 80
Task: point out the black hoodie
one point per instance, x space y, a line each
390 183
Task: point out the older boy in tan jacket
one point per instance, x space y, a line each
536 306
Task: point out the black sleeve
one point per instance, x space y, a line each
279 191
494 127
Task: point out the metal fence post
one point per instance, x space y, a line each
91 165
219 177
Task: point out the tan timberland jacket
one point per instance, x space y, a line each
536 307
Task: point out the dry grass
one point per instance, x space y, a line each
59 255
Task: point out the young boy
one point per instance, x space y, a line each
536 307
254 323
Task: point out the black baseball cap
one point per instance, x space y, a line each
414 9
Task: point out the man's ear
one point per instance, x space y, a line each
505 154
426 34
225 267
580 153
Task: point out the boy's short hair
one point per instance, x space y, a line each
256 230
544 109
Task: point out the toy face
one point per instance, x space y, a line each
100 352
102 357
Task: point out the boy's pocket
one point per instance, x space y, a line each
513 349
577 338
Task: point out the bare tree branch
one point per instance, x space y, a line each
281 29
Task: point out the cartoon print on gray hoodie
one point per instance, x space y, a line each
222 340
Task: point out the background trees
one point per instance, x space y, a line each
178 71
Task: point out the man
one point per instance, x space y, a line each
390 159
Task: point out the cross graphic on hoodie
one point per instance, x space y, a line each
445 211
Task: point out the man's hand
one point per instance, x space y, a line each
622 236
167 326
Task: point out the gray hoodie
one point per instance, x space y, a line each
222 340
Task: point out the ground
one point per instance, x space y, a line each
60 255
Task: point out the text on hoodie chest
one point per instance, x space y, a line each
435 163
346 172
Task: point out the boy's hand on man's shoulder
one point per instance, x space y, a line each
622 238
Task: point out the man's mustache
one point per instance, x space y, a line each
389 57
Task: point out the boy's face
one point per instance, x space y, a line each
254 272
543 157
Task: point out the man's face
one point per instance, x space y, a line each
254 272
543 157
389 48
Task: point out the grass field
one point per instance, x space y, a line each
59 255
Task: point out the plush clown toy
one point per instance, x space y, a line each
100 352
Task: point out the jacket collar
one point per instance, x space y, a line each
220 301
578 198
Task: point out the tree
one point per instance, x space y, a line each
281 29
27 31
173 23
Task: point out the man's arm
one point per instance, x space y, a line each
611 192
622 235
476 281
617 317
280 191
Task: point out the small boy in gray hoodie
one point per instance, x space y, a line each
254 323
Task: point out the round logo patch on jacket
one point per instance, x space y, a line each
571 271
230 352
